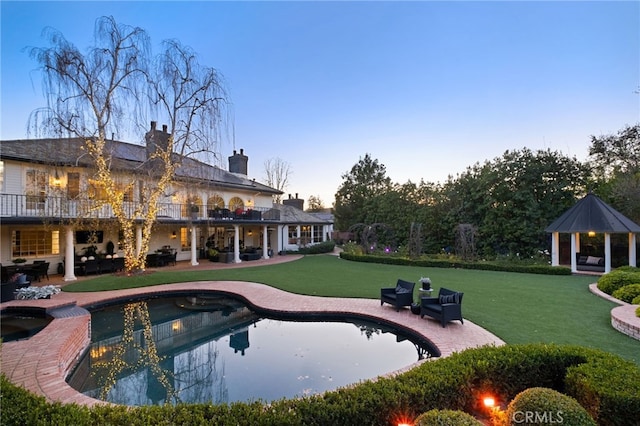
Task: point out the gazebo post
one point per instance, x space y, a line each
574 264
632 249
555 249
607 252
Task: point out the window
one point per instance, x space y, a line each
236 203
305 235
127 191
215 202
36 187
317 233
31 242
185 239
96 190
73 185
1 175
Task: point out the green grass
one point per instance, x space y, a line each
518 308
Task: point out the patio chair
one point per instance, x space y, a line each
41 269
398 296
91 267
446 307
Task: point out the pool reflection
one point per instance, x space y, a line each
213 348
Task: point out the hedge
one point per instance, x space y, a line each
616 279
450 263
607 386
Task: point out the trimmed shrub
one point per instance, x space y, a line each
324 247
627 293
454 263
616 279
638 310
446 418
543 406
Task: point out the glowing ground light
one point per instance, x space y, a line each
489 401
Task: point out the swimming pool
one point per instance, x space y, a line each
214 348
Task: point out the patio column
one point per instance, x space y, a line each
236 244
138 239
69 256
632 249
265 243
607 252
574 265
555 249
279 238
194 247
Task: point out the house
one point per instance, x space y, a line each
50 205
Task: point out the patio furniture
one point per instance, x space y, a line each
91 267
446 307
398 296
39 270
117 264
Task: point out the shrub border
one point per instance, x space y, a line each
449 263
607 386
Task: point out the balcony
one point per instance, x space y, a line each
62 208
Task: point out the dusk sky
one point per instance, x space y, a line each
427 88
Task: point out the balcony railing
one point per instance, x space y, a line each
61 208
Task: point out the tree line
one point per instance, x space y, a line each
507 201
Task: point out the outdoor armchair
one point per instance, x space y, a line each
446 307
398 296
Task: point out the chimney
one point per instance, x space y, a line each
294 202
156 139
238 162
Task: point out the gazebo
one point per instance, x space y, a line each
591 215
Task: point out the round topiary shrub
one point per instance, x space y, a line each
446 417
627 293
614 280
544 406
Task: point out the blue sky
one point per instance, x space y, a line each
427 88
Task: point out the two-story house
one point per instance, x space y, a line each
50 206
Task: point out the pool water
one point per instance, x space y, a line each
19 326
215 349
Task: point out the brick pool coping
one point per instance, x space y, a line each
41 363
623 317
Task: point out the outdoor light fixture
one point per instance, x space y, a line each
591 233
489 401
57 182
173 235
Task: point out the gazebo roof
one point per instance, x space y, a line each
593 214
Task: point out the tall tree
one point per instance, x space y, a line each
116 85
367 179
277 172
616 161
513 198
315 204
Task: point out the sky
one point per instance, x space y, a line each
426 88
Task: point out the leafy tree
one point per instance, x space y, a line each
315 204
366 180
617 154
277 172
114 86
616 162
513 198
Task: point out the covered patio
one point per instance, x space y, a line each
592 216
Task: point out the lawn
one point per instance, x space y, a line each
518 308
